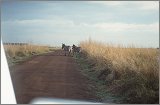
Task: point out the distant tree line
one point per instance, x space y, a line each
15 43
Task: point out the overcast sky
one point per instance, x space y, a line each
53 23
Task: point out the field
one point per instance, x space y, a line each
128 72
16 53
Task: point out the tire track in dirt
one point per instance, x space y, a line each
50 75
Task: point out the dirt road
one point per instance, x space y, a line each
50 75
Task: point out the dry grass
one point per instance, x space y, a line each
129 72
23 50
17 53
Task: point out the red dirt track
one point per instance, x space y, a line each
50 75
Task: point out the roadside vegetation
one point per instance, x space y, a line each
127 72
18 53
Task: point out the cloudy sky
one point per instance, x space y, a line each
53 23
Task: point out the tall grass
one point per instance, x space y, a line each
18 53
24 50
130 72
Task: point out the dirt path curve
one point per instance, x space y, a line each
50 75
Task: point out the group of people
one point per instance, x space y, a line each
71 50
